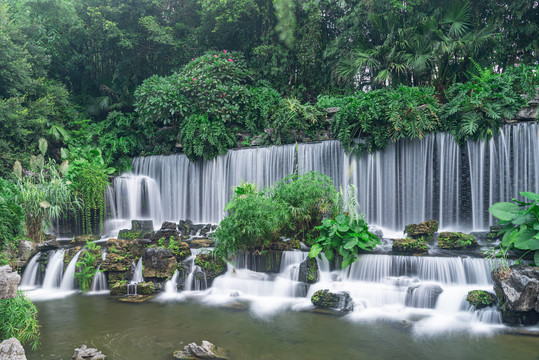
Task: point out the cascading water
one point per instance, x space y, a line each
99 283
31 273
68 281
408 182
191 282
54 270
137 278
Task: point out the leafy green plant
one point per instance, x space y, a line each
19 320
86 266
520 220
11 213
345 237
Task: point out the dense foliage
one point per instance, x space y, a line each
19 320
11 213
86 269
520 220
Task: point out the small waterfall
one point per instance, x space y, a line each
54 270
31 273
68 281
137 278
171 286
191 282
100 281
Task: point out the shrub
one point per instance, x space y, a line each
19 320
86 266
11 213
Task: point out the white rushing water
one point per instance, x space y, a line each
99 283
30 277
408 182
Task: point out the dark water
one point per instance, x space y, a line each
154 330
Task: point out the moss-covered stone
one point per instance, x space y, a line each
212 266
410 246
120 288
328 300
201 243
70 253
456 241
82 239
494 233
308 271
480 299
424 230
158 263
126 234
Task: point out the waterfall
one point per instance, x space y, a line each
137 278
171 286
54 270
191 282
31 273
408 182
100 281
68 281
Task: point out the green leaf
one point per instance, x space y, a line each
343 228
341 219
350 244
530 195
348 261
509 237
505 211
525 239
329 255
315 250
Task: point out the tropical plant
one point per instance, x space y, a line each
345 237
45 196
86 266
11 213
520 220
19 320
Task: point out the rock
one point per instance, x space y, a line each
168 230
200 243
205 351
70 253
517 288
423 230
85 353
142 225
260 261
25 251
456 241
136 299
410 247
481 299
308 271
121 288
9 282
47 245
422 296
158 263
531 112
212 266
184 227
341 301
493 233
83 239
11 349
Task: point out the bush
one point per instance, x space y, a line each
11 213
19 320
86 266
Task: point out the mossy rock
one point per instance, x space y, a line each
456 241
424 230
308 271
329 300
70 253
212 266
184 251
481 299
410 246
116 263
201 243
120 288
126 234
136 299
493 234
82 239
158 263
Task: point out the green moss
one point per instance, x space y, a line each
212 266
129 234
423 230
480 299
410 246
456 241
325 299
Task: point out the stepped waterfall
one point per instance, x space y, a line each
408 182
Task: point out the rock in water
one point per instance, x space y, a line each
308 271
85 353
341 301
424 230
206 351
518 290
9 281
12 349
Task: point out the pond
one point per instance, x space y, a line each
154 330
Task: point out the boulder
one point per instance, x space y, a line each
167 230
184 227
456 241
142 225
200 243
51 244
422 296
260 261
410 247
83 239
25 251
205 351
341 301
493 233
158 263
121 288
517 288
480 299
11 349
308 271
9 282
423 230
85 353
70 253
212 266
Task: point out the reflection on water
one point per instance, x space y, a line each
153 330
